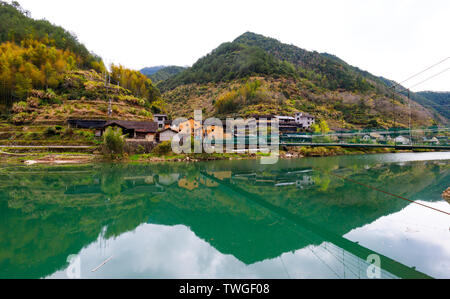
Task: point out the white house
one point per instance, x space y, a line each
376 136
285 119
304 119
433 140
160 119
401 140
167 134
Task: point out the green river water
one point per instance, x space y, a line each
303 218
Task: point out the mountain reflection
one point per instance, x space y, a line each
241 208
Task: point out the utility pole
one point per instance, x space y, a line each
109 108
393 114
107 81
410 129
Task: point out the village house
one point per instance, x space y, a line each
401 140
433 141
189 126
287 124
167 124
166 134
288 120
196 127
145 130
304 119
216 132
366 138
376 137
95 125
161 120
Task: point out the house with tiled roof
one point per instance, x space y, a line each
135 129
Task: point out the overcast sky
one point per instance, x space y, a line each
390 38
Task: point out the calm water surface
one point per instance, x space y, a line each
306 218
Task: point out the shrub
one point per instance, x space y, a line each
140 149
51 131
33 102
86 134
50 97
21 118
145 113
113 142
19 107
163 148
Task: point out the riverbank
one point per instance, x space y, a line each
52 158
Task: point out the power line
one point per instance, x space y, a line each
429 78
421 72
388 193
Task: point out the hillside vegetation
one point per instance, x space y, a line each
438 101
259 75
148 71
164 73
47 76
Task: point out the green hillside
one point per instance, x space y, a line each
230 61
17 26
324 70
164 73
148 71
438 101
47 76
258 75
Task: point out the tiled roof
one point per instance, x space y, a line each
139 126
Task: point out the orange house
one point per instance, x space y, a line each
217 132
190 125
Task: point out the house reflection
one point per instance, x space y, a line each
253 214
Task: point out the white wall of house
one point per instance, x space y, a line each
160 119
402 140
166 135
305 120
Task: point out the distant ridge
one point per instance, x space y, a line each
151 70
161 73
255 74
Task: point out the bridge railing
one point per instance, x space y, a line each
399 136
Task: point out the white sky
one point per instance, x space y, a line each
390 38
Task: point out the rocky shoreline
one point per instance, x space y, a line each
96 157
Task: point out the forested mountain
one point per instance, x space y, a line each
148 71
43 68
230 61
439 101
257 75
325 70
16 26
165 73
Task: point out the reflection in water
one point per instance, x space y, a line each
226 219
